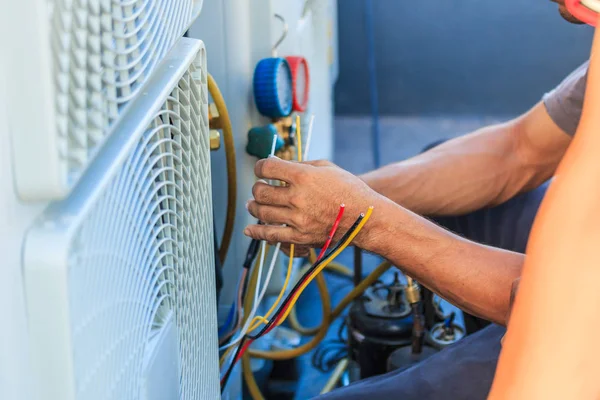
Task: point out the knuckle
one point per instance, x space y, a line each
296 200
303 223
267 165
260 192
251 208
263 214
258 168
301 176
304 238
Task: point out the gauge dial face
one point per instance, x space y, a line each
284 87
300 81
300 87
273 92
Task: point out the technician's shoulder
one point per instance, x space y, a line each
565 102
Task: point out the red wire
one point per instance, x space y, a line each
332 232
282 313
249 341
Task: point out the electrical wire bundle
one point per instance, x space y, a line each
281 309
285 308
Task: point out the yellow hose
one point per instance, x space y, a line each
231 166
335 376
287 354
314 342
359 289
251 384
337 311
340 269
293 317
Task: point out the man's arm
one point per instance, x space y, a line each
475 277
498 163
481 169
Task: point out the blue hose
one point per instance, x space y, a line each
373 94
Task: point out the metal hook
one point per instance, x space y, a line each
283 35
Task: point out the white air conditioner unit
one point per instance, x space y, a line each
73 68
119 276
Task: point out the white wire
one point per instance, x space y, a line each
263 252
258 298
273 145
246 326
308 136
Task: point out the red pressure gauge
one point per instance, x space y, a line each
585 11
300 82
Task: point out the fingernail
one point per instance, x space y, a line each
247 204
247 232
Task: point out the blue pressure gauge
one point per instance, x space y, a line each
273 92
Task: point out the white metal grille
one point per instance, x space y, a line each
101 52
132 249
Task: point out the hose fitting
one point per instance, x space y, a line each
413 295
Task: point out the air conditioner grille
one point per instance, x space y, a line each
77 65
103 51
138 253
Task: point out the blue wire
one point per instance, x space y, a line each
225 328
374 96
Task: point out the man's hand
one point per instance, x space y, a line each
308 204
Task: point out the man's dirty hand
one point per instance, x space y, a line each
308 204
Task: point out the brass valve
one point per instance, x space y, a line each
413 292
214 118
215 140
285 127
287 153
214 123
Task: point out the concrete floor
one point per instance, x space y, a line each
400 138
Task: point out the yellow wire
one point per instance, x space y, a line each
291 353
314 342
324 264
256 322
299 134
327 318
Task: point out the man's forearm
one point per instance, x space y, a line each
474 277
482 169
459 176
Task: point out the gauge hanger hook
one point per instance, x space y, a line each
283 34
